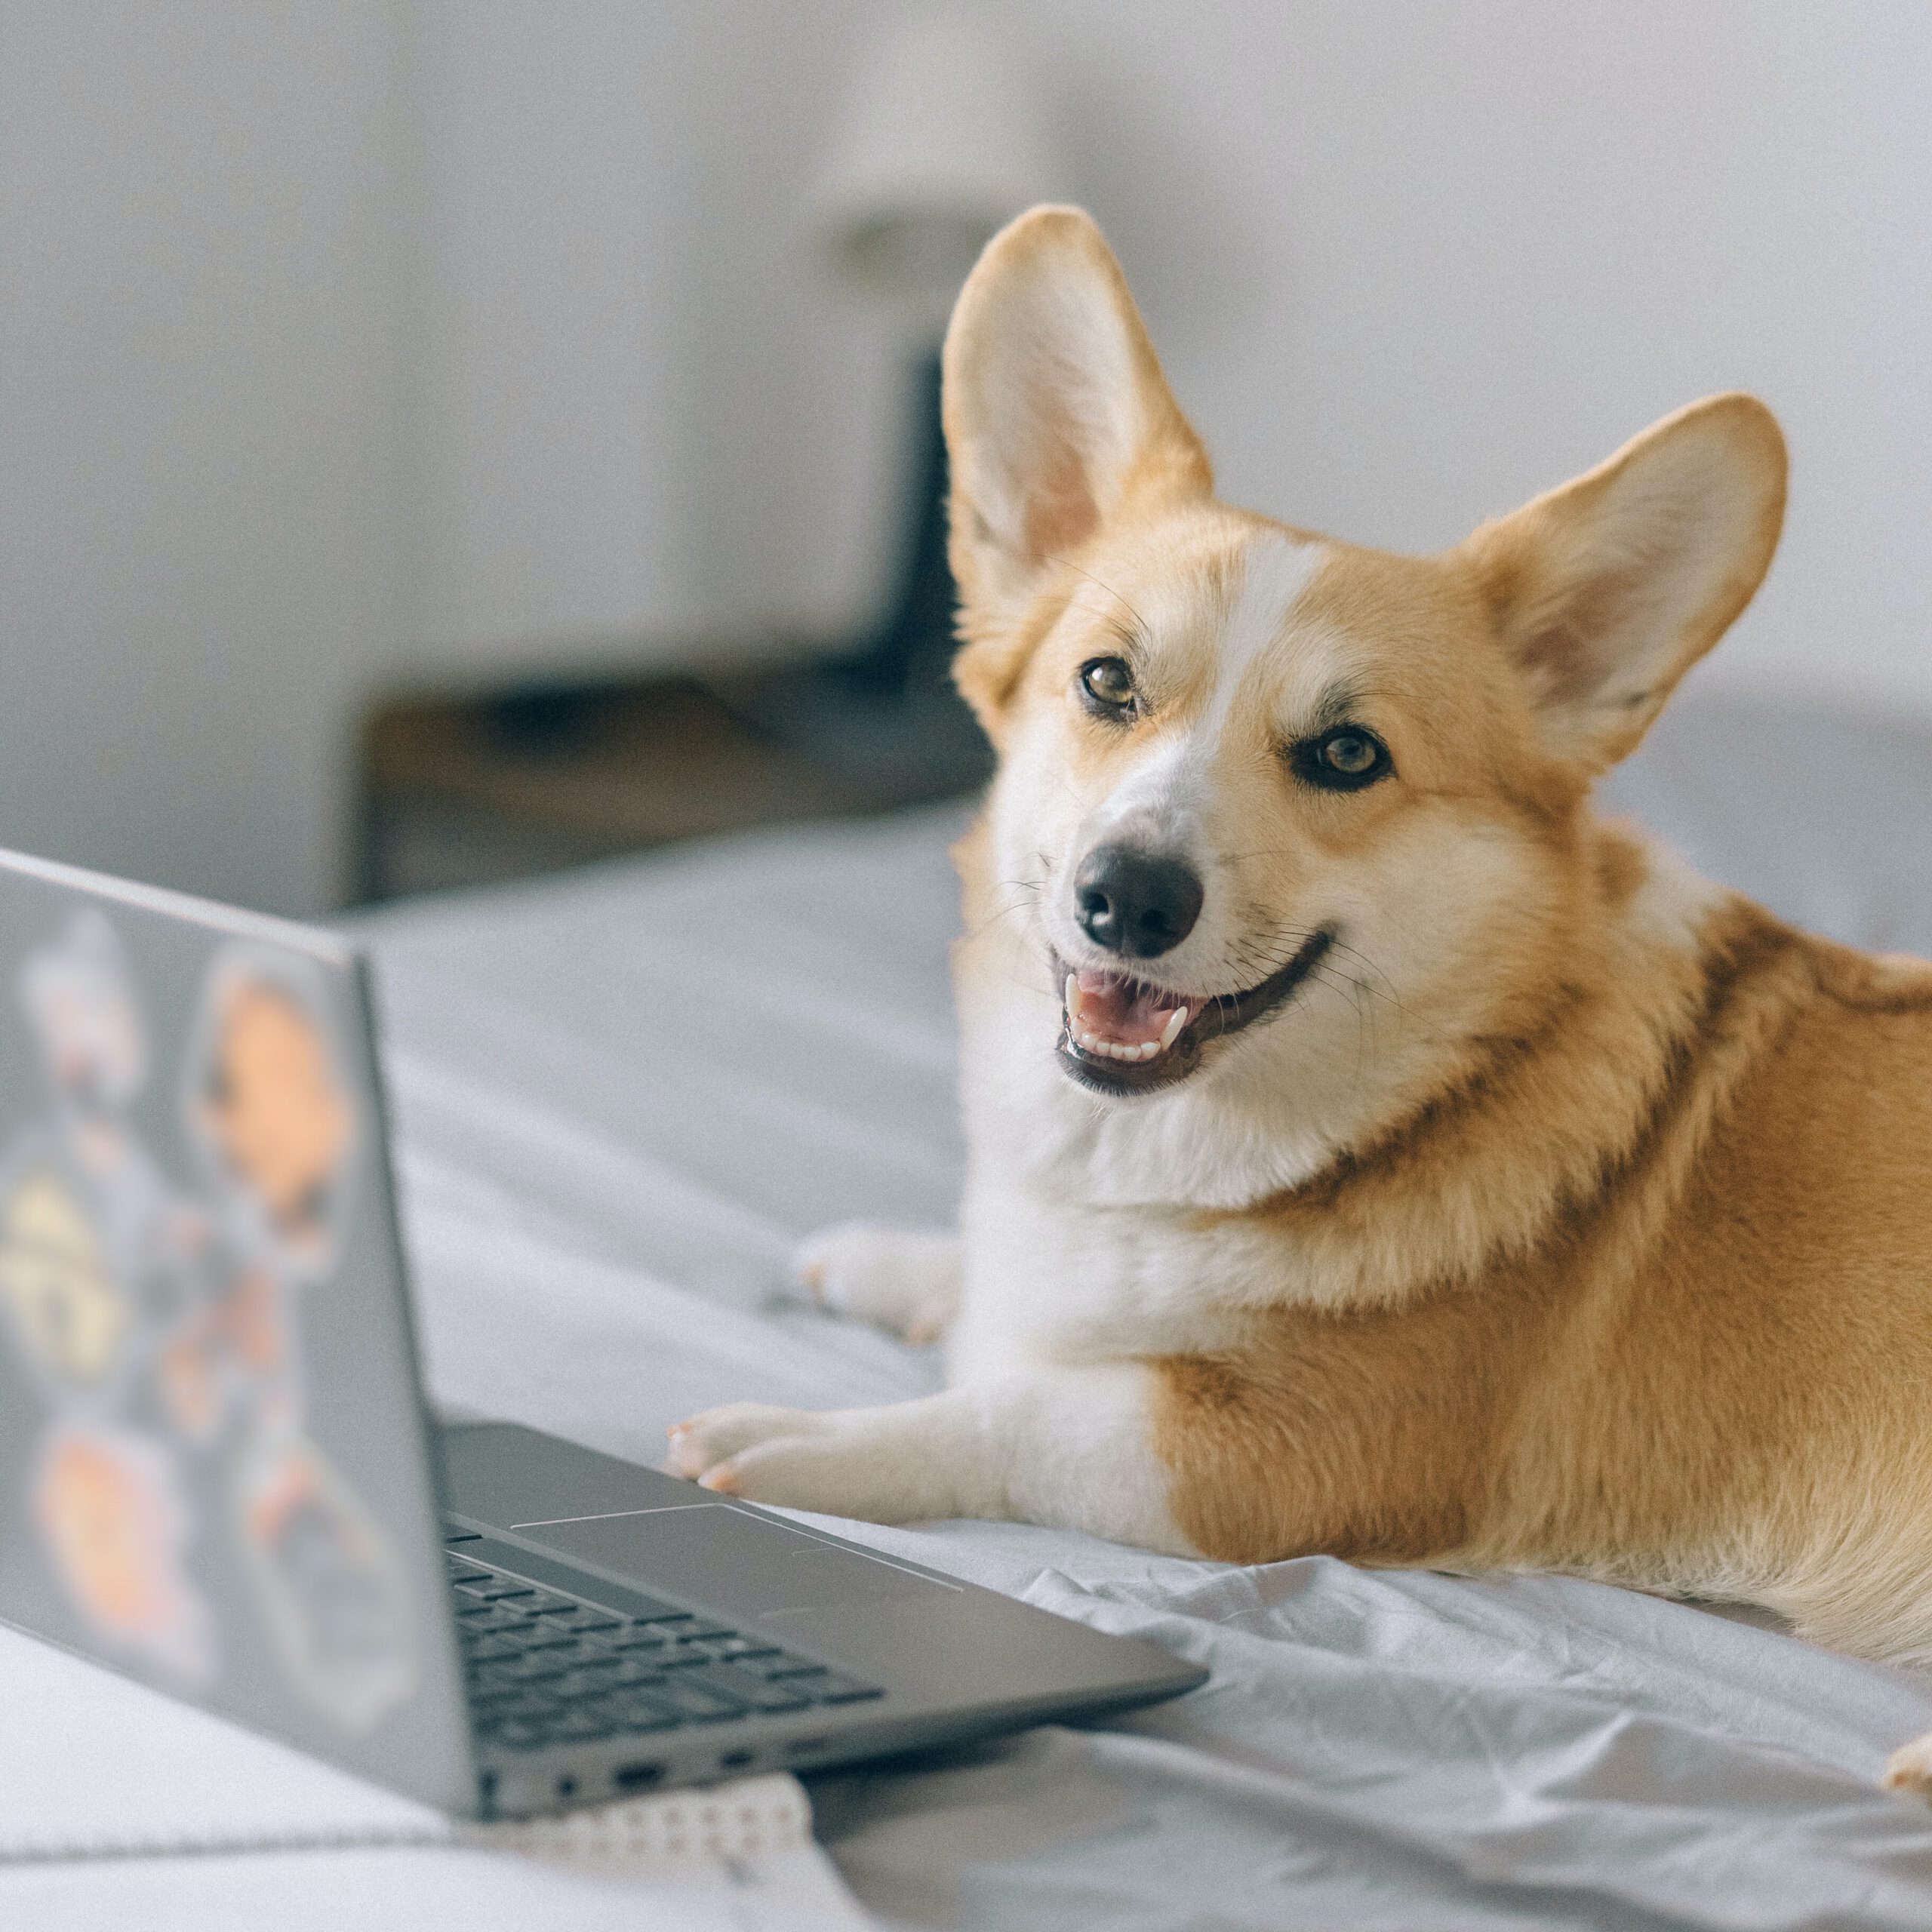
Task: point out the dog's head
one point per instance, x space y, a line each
1266 801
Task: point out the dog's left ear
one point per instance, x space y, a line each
1607 591
1057 418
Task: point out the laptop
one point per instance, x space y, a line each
218 1473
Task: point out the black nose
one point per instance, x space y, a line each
1136 902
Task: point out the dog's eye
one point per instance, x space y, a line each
1342 760
1107 683
1350 753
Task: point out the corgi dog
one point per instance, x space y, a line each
1371 1150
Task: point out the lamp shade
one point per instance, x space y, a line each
942 144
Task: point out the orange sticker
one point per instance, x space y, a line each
115 1525
270 1102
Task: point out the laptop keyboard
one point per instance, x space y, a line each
543 1667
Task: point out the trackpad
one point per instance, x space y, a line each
744 1565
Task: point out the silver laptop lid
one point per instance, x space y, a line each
213 1470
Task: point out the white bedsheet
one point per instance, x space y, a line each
620 1097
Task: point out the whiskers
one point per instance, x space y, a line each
1019 899
1344 970
1014 898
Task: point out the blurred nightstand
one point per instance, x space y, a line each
469 789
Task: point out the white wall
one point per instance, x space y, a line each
647 421
349 341
198 563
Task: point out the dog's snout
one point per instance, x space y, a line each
1134 902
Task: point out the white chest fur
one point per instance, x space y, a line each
1050 1283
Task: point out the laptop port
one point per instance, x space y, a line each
737 1760
637 1777
567 1787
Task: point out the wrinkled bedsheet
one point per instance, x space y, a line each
621 1096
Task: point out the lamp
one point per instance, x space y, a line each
942 145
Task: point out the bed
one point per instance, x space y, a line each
621 1094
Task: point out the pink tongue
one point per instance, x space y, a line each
1118 1010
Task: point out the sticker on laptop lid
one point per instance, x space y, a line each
331 1580
112 1517
70 1319
271 1110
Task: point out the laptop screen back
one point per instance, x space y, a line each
213 1473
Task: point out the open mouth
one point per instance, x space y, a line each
1119 1036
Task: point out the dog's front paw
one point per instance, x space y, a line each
707 1447
904 1279
781 1455
843 1464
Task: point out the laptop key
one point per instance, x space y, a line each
512 1613
507 1676
503 1707
499 1695
735 1646
635 1637
703 1703
637 1670
495 1589
576 1726
467 1573
580 1617
761 1693
544 1667
654 1612
786 1664
636 1711
582 1683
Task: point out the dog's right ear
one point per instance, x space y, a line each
1057 417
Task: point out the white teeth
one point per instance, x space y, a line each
1092 1043
1120 1050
